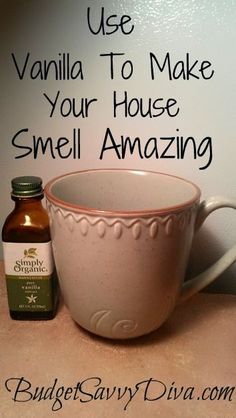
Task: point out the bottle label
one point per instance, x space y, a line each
29 276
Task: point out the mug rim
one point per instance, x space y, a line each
120 213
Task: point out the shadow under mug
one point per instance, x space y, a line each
121 241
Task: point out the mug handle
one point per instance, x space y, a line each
190 287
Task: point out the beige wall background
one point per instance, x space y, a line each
205 30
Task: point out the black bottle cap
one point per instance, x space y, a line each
26 186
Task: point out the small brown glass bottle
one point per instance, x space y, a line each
28 259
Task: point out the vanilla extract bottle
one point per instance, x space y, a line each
27 251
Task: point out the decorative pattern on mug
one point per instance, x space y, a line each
102 319
118 225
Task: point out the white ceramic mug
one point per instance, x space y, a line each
121 241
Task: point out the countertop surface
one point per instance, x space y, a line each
187 368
